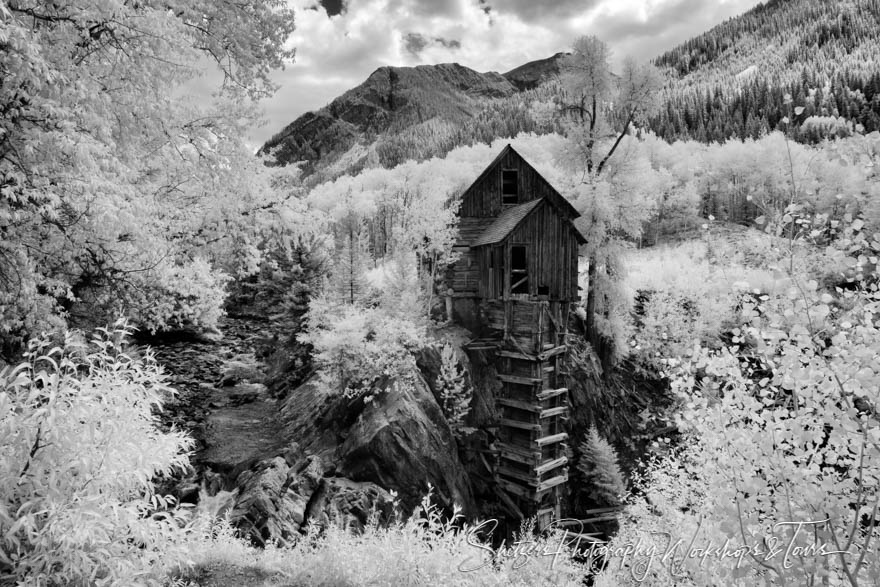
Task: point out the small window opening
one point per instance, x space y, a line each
509 186
543 290
519 273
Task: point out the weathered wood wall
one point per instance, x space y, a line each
552 249
483 198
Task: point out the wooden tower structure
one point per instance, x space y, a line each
512 287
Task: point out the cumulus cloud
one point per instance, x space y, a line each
414 42
542 10
342 42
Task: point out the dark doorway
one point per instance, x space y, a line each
519 270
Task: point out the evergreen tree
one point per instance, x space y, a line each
455 393
603 479
352 259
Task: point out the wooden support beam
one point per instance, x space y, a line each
517 355
519 405
548 393
527 456
530 460
552 439
545 511
550 465
520 425
517 379
596 511
550 412
529 479
511 507
550 483
512 487
552 352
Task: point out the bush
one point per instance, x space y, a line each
27 300
359 350
79 449
179 296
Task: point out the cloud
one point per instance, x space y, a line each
340 44
414 43
542 10
644 30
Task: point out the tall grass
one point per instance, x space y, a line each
426 549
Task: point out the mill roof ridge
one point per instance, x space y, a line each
556 199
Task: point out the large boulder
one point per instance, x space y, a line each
319 457
272 500
399 441
402 441
276 500
351 504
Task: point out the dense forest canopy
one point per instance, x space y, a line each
730 82
117 193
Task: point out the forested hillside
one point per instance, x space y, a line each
732 81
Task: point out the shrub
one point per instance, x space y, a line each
27 300
79 448
178 296
360 350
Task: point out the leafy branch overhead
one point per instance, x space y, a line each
110 181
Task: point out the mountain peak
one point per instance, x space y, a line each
533 73
390 99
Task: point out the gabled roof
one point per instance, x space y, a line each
505 223
558 201
509 219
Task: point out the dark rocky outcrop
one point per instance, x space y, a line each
533 73
321 458
399 441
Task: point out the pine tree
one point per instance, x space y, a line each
349 281
604 482
454 391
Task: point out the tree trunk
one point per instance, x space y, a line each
592 331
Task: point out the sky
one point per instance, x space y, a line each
339 43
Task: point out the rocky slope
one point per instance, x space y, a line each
312 456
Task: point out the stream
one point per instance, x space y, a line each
221 401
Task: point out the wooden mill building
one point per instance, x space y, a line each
512 287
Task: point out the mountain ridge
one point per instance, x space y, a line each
441 97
